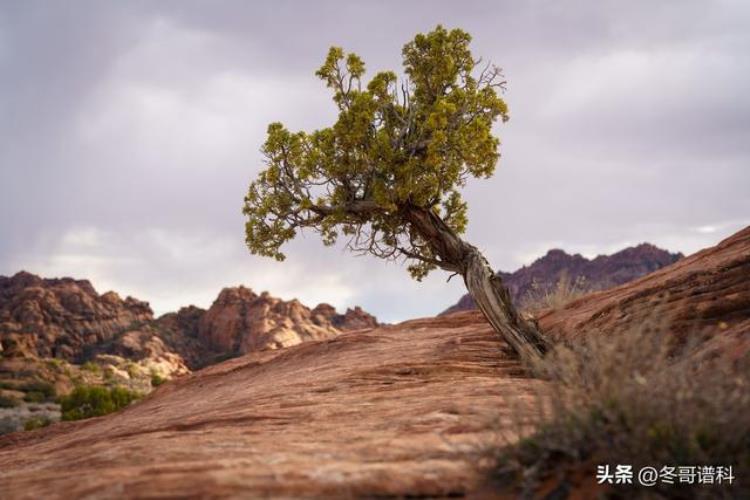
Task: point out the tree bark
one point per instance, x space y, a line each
493 299
485 287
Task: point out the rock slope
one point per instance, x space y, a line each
602 272
378 412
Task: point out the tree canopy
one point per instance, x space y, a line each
398 144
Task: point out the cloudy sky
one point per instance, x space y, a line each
129 132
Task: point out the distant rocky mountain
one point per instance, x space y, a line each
59 318
604 271
241 321
67 319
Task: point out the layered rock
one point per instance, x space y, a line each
60 317
240 321
179 330
352 319
600 273
67 319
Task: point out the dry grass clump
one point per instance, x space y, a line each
642 398
565 291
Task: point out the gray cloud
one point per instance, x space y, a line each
129 132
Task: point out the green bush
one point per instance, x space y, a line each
55 363
34 397
8 402
157 380
92 367
132 369
94 401
38 391
36 423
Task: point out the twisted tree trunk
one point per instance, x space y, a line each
485 287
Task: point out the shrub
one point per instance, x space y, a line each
557 297
38 391
55 363
36 423
7 425
94 401
92 367
157 380
34 397
8 402
132 369
641 398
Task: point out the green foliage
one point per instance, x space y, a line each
8 402
55 363
157 380
36 423
38 391
92 367
395 146
94 401
34 397
132 369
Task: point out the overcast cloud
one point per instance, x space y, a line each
129 132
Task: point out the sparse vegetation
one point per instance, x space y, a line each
7 425
565 291
94 401
157 380
55 363
92 367
132 369
38 391
641 398
8 401
34 397
36 423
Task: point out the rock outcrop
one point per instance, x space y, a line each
352 319
180 331
241 321
67 319
600 273
59 318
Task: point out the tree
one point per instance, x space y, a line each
387 174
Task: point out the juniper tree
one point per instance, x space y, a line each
386 176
